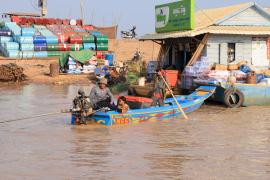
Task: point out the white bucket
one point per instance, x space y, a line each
141 81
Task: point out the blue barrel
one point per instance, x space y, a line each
25 39
39 39
40 47
51 39
109 57
11 46
91 46
28 31
27 47
26 54
41 54
5 32
5 39
12 53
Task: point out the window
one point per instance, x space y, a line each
231 52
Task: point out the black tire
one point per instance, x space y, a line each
233 98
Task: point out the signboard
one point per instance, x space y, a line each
175 16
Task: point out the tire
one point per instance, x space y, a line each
233 98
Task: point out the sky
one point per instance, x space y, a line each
125 13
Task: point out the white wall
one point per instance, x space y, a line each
217 47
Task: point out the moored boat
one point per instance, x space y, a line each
189 103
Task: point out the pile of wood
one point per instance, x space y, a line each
11 72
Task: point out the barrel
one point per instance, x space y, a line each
102 47
89 39
28 31
63 38
54 53
55 47
11 46
64 47
40 47
91 46
76 40
27 47
5 32
12 53
41 54
39 39
252 78
25 39
26 54
102 39
76 47
109 57
54 69
4 39
51 39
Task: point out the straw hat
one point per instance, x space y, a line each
103 81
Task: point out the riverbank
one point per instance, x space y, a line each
37 70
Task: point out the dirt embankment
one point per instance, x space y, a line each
37 70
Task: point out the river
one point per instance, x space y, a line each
215 143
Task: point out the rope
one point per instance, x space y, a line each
30 117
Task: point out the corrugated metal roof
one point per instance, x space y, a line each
205 21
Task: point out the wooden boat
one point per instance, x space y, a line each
238 94
189 103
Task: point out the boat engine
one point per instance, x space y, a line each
81 107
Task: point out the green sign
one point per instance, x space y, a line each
175 16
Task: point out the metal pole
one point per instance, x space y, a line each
82 16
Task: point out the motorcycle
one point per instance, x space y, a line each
131 34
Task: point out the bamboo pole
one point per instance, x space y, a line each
177 103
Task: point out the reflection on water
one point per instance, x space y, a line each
215 143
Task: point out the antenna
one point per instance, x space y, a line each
43 5
82 12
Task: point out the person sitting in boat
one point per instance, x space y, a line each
101 96
159 91
122 106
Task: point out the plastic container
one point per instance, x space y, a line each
64 47
171 76
110 58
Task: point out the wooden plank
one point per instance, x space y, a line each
199 50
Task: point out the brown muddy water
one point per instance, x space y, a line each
215 143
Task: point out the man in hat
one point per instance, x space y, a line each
101 96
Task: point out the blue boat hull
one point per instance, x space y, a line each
188 103
254 95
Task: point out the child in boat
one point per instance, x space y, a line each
122 106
